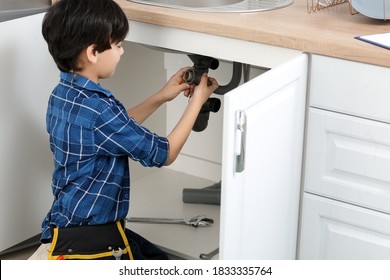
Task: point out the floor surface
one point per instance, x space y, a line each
22 254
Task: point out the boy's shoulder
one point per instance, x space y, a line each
78 98
76 81
85 98
79 88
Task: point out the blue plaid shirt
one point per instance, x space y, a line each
92 137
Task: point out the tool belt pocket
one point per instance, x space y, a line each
104 242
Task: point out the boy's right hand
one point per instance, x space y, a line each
202 91
182 130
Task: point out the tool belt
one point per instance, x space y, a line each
93 242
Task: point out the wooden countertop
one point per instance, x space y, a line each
329 32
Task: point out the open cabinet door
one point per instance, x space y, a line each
262 158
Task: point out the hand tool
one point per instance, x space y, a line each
210 255
118 255
197 221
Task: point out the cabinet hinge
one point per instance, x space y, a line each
239 141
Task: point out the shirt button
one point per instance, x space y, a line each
126 196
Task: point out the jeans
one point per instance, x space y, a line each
143 249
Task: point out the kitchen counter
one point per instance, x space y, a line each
329 32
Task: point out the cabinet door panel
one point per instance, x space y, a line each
348 159
259 209
350 87
335 230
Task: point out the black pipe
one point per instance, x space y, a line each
202 64
192 76
234 82
211 105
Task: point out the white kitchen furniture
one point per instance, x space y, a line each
346 201
261 164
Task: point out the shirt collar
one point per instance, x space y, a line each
83 82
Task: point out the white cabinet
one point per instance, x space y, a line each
346 204
348 159
349 87
335 230
261 164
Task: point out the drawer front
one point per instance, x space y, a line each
348 159
334 230
350 87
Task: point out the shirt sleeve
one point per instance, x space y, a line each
116 135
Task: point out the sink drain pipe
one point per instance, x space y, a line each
202 64
234 82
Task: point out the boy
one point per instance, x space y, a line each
92 135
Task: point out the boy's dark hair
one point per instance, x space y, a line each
70 26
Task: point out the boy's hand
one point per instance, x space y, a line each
176 85
203 91
182 130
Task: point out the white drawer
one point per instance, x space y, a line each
348 159
334 230
350 87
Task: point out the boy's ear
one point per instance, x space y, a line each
92 53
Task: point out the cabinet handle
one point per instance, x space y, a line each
239 145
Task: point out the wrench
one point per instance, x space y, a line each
118 255
197 221
210 255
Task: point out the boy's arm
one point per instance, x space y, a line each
143 110
182 130
172 89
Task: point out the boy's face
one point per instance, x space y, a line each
108 60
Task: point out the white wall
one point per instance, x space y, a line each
27 76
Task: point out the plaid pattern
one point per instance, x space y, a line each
92 137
